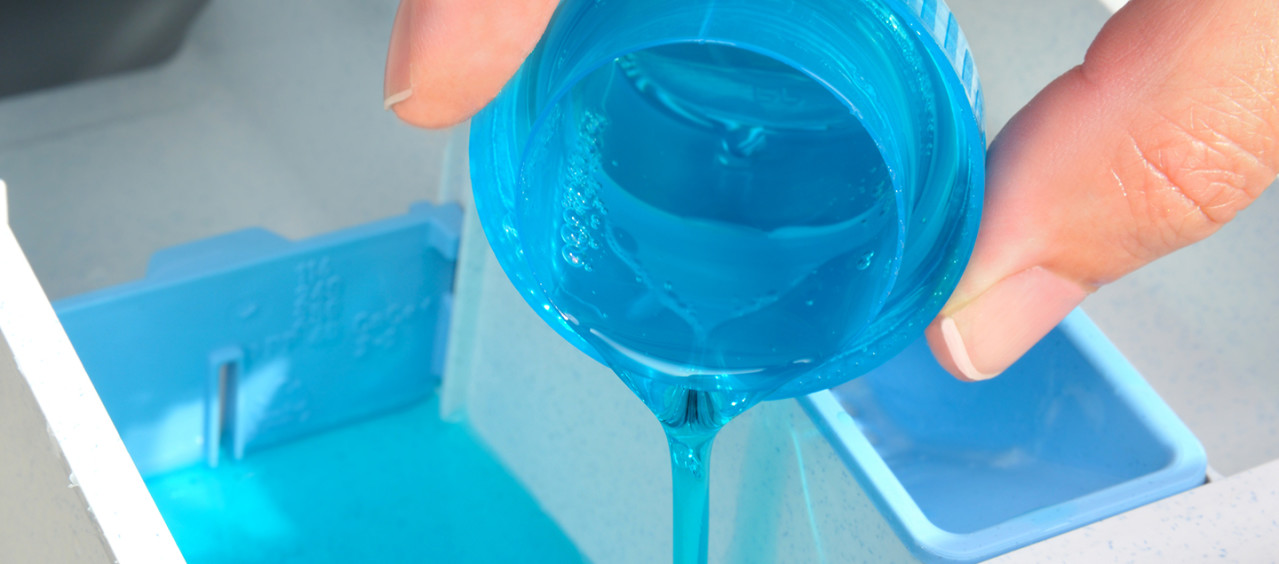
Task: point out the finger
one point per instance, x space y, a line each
448 58
1168 129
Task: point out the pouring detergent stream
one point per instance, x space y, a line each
727 203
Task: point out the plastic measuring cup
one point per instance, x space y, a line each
659 171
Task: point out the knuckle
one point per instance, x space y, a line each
1188 171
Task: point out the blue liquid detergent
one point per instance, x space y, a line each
404 487
728 202
762 245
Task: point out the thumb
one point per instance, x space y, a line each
1168 129
448 58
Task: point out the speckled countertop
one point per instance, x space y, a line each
1232 520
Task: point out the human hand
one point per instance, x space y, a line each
1168 129
438 74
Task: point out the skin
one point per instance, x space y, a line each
1167 130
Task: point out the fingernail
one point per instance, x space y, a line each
397 85
990 333
962 362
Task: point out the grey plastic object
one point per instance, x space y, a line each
46 43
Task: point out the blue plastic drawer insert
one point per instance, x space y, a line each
966 471
294 337
329 350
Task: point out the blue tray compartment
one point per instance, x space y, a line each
965 471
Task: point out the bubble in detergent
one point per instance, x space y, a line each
579 230
864 262
573 257
572 236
